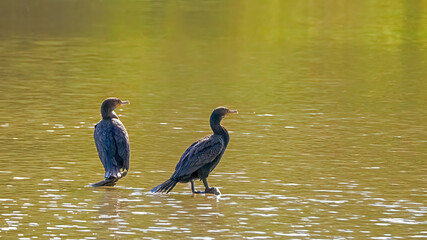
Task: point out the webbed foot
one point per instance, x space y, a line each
213 190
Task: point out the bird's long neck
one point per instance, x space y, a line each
218 129
108 113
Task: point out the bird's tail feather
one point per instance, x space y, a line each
166 186
111 181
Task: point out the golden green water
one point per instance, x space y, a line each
330 142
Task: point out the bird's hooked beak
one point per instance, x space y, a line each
123 102
232 111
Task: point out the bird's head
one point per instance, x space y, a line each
108 106
219 113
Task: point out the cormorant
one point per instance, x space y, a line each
112 143
201 157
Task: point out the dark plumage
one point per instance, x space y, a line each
112 143
201 157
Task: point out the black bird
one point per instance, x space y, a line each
112 143
201 157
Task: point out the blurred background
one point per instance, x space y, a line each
330 142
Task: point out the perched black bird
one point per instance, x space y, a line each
201 157
112 143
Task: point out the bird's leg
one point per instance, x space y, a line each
192 186
213 190
193 189
205 182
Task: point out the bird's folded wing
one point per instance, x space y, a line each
198 154
106 147
121 140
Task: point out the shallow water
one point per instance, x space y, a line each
330 142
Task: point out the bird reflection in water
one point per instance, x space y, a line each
110 209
